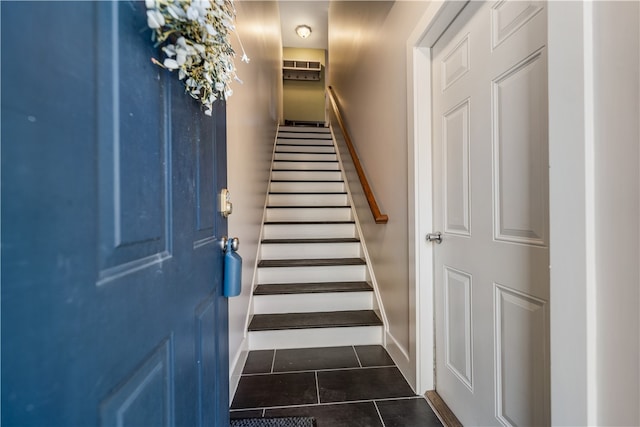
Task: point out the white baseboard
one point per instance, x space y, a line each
236 366
402 359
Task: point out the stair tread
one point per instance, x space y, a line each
296 135
323 319
312 288
324 240
301 152
307 206
307 180
306 222
308 192
304 129
303 145
306 161
310 262
306 170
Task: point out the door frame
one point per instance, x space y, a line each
572 304
436 20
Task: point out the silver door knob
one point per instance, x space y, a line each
235 243
434 237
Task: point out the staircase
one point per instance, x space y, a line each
313 285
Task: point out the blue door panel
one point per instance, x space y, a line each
112 311
146 398
133 139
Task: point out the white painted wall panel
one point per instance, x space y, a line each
367 57
520 355
457 195
252 116
617 213
520 149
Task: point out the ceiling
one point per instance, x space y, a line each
309 12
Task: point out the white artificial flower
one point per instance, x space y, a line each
171 64
181 58
181 42
176 11
192 13
202 53
169 50
155 19
198 48
202 6
211 30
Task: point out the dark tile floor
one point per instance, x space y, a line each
340 386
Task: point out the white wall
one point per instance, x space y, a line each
594 187
368 59
304 100
595 214
252 116
617 215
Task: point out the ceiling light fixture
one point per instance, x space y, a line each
303 31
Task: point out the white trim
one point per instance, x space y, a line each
236 368
590 220
568 223
425 326
436 20
259 250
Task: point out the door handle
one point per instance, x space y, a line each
235 243
434 237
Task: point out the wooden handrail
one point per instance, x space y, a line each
379 217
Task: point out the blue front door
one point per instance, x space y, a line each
112 309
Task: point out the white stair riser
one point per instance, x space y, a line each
308 200
308 231
312 136
306 142
309 303
306 165
311 157
283 147
306 187
304 176
309 214
309 250
334 273
321 337
306 129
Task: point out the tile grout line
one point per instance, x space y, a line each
320 370
379 414
357 357
340 402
